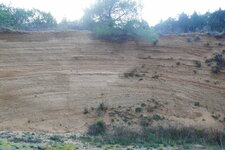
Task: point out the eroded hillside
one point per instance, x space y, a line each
48 79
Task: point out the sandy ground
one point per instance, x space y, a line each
48 78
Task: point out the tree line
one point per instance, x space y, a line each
208 22
22 19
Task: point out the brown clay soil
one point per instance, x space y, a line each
47 79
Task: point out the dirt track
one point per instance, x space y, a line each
48 78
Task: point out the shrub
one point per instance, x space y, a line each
141 29
215 69
97 128
155 137
198 64
220 63
56 138
157 117
197 38
133 73
102 107
144 123
138 110
189 39
197 104
85 111
132 29
110 34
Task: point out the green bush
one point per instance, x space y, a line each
133 29
109 33
140 29
156 137
97 128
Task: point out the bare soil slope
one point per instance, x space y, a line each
48 78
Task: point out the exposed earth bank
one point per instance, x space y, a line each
48 80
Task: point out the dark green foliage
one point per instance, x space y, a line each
178 63
132 29
56 138
112 13
144 123
138 110
195 23
26 140
198 64
102 107
157 117
133 73
197 104
140 29
110 34
85 111
219 63
216 20
97 128
117 21
215 69
154 137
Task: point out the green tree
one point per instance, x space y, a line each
183 22
113 13
41 20
6 18
117 20
22 19
216 20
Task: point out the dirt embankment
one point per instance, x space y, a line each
48 78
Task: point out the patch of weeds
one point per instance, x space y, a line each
102 107
155 42
144 123
143 105
220 44
130 123
219 61
215 117
207 44
159 137
215 69
196 104
189 39
155 76
157 117
197 38
26 140
56 138
85 111
195 71
97 128
223 52
73 137
138 110
197 64
133 73
61 147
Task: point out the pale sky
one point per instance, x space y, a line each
153 12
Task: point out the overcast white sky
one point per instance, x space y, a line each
153 12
